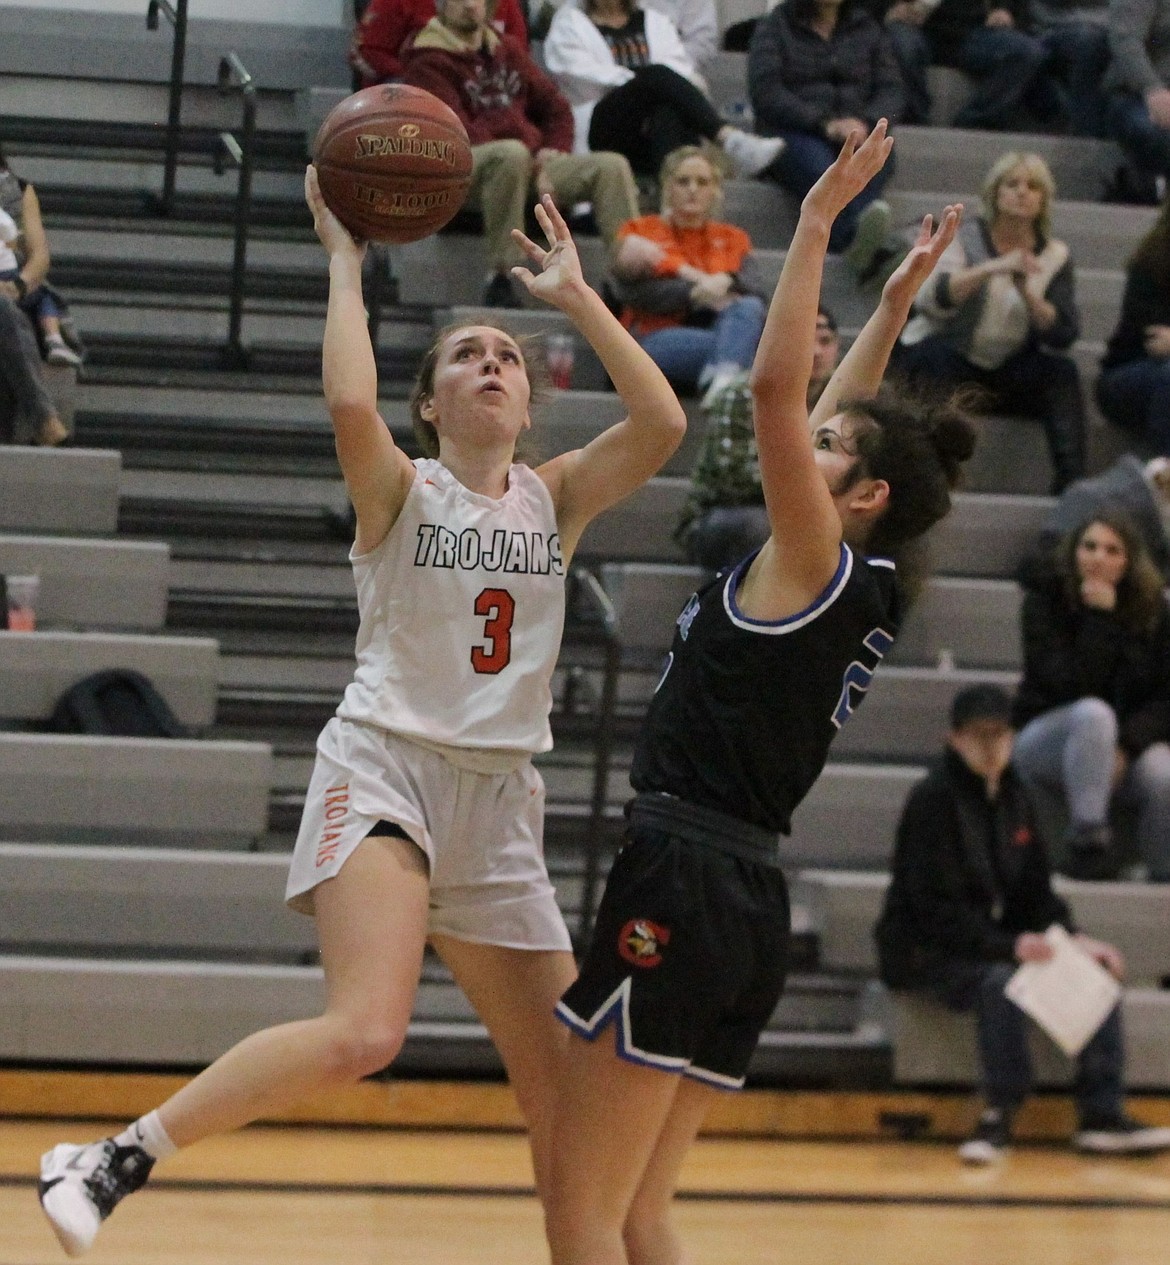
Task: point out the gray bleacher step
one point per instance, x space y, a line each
143 248
845 905
69 97
936 1046
87 583
1099 234
37 668
968 622
119 47
957 160
72 491
233 489
133 177
149 790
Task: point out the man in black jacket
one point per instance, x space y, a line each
970 899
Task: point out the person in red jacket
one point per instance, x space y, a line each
521 130
387 24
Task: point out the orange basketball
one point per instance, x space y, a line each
394 163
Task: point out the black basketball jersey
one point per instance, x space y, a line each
746 709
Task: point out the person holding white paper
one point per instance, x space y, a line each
970 900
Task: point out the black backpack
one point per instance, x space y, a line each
115 703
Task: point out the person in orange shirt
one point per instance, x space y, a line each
690 289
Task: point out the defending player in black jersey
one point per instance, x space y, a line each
690 949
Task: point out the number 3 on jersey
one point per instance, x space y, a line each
858 675
499 609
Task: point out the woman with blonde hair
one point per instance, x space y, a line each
691 290
1000 312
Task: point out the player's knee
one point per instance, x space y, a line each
364 1047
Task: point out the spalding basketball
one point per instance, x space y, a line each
393 162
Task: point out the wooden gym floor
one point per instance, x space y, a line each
442 1195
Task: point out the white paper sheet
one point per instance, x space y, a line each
1069 996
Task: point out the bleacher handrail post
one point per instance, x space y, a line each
176 14
233 74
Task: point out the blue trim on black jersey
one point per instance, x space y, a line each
790 623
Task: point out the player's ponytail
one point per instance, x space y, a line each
918 447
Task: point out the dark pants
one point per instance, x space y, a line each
1146 144
966 985
1078 57
25 404
651 115
1032 382
804 160
1136 397
722 536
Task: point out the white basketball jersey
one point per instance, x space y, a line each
462 608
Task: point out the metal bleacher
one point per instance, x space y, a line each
197 532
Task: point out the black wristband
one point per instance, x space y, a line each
21 286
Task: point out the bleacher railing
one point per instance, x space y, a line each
176 14
234 76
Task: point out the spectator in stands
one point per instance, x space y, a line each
1138 81
698 26
1133 389
26 283
691 290
818 70
521 131
1076 36
386 25
1001 310
995 44
1094 702
1141 490
969 899
724 518
27 412
635 89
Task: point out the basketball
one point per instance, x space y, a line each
393 162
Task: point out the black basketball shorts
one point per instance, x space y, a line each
688 957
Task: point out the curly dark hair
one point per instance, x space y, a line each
917 445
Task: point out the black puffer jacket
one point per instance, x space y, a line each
1073 652
798 80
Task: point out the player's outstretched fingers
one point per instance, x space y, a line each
531 249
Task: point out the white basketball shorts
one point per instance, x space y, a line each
481 834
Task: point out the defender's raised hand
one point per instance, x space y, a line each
560 274
907 279
856 165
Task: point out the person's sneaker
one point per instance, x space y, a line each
724 378
500 292
1089 853
81 1185
58 352
1120 1135
751 154
873 227
991 1139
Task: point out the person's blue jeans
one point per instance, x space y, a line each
804 160
1136 397
682 352
913 55
1011 72
965 985
1078 56
1146 144
1070 750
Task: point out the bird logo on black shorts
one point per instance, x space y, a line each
640 941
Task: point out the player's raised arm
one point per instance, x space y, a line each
861 370
806 528
622 458
377 473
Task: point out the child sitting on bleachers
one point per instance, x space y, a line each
37 303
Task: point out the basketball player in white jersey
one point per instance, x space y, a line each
424 813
